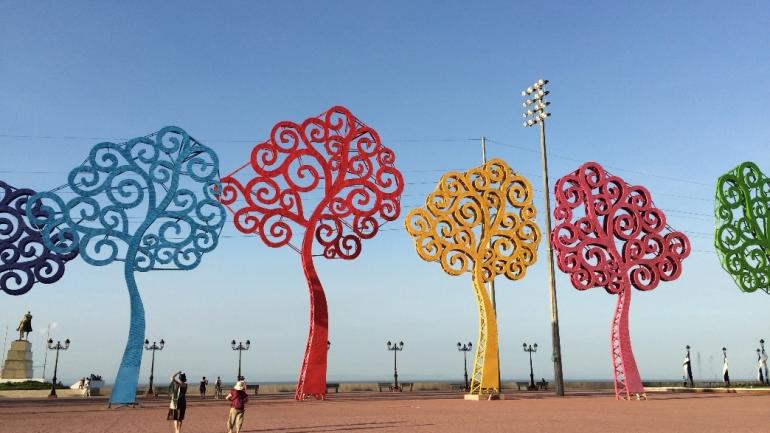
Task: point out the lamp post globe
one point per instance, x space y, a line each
57 347
395 348
465 348
531 349
152 348
240 347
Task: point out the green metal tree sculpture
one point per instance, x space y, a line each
742 232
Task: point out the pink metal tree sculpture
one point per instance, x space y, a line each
610 234
330 178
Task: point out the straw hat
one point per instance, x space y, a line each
239 386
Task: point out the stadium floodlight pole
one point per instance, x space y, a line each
535 113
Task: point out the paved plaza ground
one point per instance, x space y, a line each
408 412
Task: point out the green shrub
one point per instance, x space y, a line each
28 385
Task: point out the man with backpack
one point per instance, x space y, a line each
238 399
218 388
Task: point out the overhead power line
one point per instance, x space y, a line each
389 142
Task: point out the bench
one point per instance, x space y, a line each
539 386
335 386
256 388
457 387
389 386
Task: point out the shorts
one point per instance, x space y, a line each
235 419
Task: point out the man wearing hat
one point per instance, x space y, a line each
238 399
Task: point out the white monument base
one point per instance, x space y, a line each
18 362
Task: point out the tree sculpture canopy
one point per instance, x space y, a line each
742 234
610 234
24 257
329 174
481 221
150 203
327 181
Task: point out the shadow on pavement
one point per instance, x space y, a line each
339 427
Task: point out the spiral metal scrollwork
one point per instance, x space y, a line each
333 154
742 232
327 181
24 257
610 234
149 202
481 221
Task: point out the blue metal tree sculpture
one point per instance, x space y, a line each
150 203
24 259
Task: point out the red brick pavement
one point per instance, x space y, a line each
408 412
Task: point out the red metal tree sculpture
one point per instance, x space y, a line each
610 234
327 179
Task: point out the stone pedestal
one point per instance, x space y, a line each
18 363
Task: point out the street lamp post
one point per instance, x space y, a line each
153 347
535 114
465 348
763 359
531 349
240 347
688 366
395 348
57 347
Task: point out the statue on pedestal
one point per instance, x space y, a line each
25 326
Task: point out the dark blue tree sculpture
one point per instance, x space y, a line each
24 259
150 203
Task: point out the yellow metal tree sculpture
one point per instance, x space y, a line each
480 221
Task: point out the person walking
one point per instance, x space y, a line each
202 387
87 388
178 405
218 388
238 399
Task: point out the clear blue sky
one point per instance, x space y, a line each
668 94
